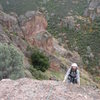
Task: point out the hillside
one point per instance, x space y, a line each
28 89
54 10
29 32
63 32
52 6
40 39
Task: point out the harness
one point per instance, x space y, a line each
72 77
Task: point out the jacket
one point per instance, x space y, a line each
67 74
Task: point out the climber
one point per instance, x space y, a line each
72 75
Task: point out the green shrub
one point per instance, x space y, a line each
82 39
37 74
40 61
96 79
11 62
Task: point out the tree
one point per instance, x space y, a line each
40 61
11 62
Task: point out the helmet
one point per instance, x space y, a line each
74 65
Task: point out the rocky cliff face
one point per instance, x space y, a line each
28 89
93 9
33 25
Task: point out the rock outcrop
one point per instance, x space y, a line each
33 25
69 22
10 31
1 7
93 9
28 89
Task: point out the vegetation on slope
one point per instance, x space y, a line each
86 41
11 62
40 61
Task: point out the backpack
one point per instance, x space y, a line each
72 77
73 74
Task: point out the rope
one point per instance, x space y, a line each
50 92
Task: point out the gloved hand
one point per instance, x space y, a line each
63 81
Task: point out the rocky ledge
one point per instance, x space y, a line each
29 89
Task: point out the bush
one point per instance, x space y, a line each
11 62
37 74
40 61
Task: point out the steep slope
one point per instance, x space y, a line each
28 89
28 31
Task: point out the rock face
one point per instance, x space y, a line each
69 22
10 30
28 89
93 9
98 10
33 25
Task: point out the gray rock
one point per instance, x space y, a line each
69 22
29 14
1 8
1 29
22 20
28 89
93 9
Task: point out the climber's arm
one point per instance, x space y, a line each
66 76
78 77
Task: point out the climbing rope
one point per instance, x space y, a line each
50 92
